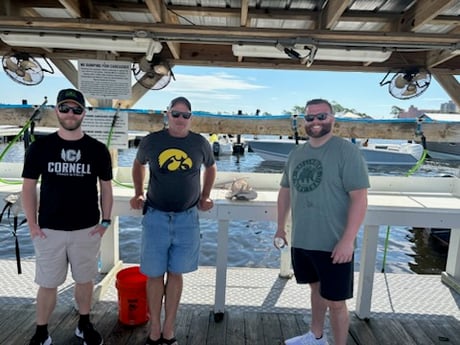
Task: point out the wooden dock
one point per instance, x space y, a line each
261 309
197 327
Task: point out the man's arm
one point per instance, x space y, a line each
343 251
209 176
138 175
283 207
106 198
30 206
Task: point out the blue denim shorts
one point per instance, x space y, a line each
170 242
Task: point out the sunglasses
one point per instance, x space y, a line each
176 114
64 108
320 117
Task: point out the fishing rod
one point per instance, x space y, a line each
109 140
31 119
29 122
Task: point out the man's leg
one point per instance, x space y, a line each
155 292
340 321
318 310
46 302
173 294
84 297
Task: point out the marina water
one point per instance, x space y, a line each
250 243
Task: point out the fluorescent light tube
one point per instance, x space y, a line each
138 45
335 54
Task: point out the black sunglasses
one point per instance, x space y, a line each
64 108
176 114
320 116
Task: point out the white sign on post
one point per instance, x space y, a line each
98 124
105 79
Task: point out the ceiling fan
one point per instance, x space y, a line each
408 83
154 73
24 69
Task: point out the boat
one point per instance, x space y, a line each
446 150
393 154
221 144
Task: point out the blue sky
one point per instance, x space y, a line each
231 89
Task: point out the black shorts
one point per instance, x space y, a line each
311 266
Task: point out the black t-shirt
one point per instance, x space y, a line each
69 172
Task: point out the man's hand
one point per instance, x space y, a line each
137 202
205 204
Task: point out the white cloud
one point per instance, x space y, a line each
211 83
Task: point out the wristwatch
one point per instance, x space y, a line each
106 223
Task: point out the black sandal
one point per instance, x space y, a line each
171 341
159 341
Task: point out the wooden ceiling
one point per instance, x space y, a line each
420 33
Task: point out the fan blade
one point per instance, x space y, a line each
27 77
26 64
20 72
400 82
410 90
161 69
10 65
421 76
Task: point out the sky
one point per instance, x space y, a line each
227 90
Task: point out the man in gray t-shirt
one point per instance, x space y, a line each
324 184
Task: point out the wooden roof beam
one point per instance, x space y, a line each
437 57
161 15
190 32
421 13
244 13
84 9
332 13
450 84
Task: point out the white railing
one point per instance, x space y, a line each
403 201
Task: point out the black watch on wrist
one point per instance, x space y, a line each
106 223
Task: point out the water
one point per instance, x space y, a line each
250 243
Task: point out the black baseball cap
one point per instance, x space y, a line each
70 95
182 100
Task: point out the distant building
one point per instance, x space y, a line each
411 112
448 107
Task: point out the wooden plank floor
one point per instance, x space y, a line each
197 327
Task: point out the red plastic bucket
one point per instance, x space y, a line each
132 296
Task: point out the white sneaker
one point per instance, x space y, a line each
306 339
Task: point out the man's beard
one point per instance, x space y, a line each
75 125
325 129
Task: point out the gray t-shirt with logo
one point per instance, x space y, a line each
320 179
174 165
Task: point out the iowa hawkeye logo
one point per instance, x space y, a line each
174 160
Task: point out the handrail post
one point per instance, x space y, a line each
285 258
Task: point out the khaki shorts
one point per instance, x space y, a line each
61 248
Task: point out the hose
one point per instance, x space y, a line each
409 173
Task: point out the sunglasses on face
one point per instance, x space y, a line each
64 108
320 117
176 114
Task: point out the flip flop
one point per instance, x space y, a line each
171 341
159 341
